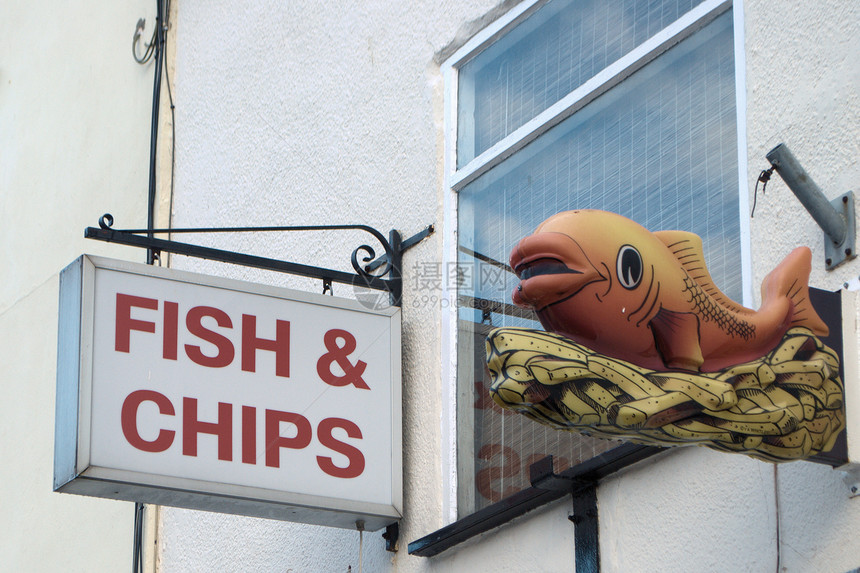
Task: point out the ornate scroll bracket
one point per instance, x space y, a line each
378 273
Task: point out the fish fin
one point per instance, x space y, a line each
687 248
790 279
677 338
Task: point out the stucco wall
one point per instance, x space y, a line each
290 114
74 127
716 512
803 89
331 113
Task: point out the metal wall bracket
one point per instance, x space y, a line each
585 515
382 273
391 535
586 532
836 218
851 479
542 476
837 253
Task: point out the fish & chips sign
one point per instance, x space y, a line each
201 392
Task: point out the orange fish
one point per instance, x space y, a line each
608 283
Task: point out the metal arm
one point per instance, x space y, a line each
390 261
836 218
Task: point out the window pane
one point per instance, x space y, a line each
660 148
556 50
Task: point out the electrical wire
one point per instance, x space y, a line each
153 136
137 551
172 122
763 178
155 48
776 504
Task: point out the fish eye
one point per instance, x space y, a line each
629 267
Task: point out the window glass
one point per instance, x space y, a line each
559 48
660 148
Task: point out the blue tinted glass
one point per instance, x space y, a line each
552 53
660 148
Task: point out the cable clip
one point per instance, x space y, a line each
763 178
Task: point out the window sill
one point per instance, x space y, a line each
530 498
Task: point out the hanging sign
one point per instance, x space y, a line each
193 391
640 343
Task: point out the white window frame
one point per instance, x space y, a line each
456 179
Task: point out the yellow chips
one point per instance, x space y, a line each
786 406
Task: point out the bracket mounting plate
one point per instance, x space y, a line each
837 253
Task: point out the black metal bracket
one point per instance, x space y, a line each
501 512
381 273
586 530
543 476
391 536
585 516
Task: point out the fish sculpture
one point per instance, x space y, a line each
609 284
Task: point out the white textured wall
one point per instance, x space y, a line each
696 510
74 143
328 112
296 113
804 90
689 510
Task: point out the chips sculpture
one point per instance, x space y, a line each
642 345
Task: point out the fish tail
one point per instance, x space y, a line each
790 279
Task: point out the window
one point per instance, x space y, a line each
627 106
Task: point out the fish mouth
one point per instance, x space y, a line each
552 267
543 266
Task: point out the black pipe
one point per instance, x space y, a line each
153 138
137 549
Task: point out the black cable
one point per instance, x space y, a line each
172 120
153 139
763 178
156 50
776 504
137 550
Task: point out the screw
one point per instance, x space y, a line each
845 199
847 252
828 262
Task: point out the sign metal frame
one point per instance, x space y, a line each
74 472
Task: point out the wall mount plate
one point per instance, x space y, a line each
837 253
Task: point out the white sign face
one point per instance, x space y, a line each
220 395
